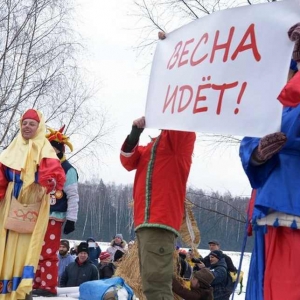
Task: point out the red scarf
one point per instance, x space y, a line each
290 95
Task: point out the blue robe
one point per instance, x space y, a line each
277 183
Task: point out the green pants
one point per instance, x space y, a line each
156 247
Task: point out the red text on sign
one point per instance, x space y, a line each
195 52
184 96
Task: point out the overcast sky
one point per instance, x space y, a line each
110 34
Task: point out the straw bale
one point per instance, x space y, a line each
184 228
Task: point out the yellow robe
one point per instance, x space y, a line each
19 253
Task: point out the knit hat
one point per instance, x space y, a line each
217 253
294 35
119 235
118 255
83 247
104 255
31 114
65 243
205 276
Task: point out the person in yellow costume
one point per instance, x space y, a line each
29 171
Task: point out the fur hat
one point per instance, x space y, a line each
104 255
217 253
205 276
65 243
83 247
119 235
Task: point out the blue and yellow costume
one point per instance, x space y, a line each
27 167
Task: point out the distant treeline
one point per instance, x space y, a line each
106 209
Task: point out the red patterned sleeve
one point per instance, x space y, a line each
3 182
51 168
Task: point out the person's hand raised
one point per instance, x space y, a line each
139 123
161 35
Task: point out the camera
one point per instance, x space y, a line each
197 260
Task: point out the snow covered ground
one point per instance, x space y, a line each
70 294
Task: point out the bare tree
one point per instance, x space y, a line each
38 51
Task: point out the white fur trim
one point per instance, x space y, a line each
126 154
284 220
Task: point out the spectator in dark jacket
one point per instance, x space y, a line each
185 268
94 250
81 270
106 267
215 245
200 286
219 269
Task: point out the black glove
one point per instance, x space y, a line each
69 227
133 138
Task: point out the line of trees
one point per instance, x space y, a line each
106 209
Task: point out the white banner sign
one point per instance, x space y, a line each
224 72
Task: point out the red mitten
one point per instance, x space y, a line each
269 145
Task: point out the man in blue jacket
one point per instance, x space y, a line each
64 257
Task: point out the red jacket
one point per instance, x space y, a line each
162 169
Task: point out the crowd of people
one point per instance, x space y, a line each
205 278
88 262
218 263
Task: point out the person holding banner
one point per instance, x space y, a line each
162 169
272 165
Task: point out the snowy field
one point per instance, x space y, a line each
68 293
